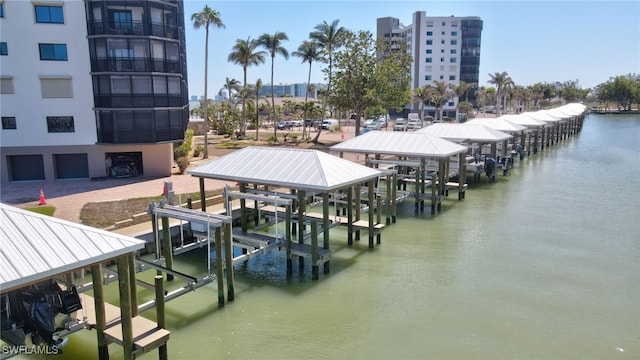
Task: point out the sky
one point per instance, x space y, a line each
533 41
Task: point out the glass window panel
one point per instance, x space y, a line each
173 85
120 85
159 85
141 84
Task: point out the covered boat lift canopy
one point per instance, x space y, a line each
36 248
411 151
305 173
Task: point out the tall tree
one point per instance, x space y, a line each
329 37
273 45
501 81
207 16
257 88
232 86
460 90
308 51
363 81
422 96
244 53
441 93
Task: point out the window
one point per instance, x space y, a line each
120 19
56 87
427 77
454 42
9 123
442 32
454 33
441 77
429 23
429 42
56 124
441 59
49 14
56 52
452 60
444 23
429 60
6 85
1 10
429 51
3 48
453 51
429 33
452 77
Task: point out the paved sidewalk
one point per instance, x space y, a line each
70 196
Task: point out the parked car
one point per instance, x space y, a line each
414 124
122 167
330 124
400 125
282 125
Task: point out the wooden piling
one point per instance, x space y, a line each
219 268
101 322
287 235
302 204
160 314
350 216
325 227
371 204
203 196
167 246
228 252
132 282
125 307
314 251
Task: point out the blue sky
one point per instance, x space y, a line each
533 41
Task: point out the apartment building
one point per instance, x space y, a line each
89 83
443 49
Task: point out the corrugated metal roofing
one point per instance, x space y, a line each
563 114
574 109
541 115
35 247
413 144
304 169
462 132
497 124
523 120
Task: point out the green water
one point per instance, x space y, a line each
542 264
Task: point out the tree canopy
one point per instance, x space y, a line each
362 79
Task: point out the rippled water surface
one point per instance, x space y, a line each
542 264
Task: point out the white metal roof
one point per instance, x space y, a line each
36 247
304 169
498 124
542 115
573 108
413 144
563 114
523 120
463 132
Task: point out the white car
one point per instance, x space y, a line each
414 124
400 125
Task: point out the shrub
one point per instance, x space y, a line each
183 163
198 150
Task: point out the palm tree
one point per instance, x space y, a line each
501 81
257 89
329 38
273 44
309 51
206 17
460 90
244 53
441 92
232 86
422 96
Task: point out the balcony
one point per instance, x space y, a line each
136 65
137 28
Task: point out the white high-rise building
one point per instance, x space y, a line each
446 49
84 83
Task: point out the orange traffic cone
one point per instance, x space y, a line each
43 201
164 190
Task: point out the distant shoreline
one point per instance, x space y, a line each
615 112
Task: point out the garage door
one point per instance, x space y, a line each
71 166
26 167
